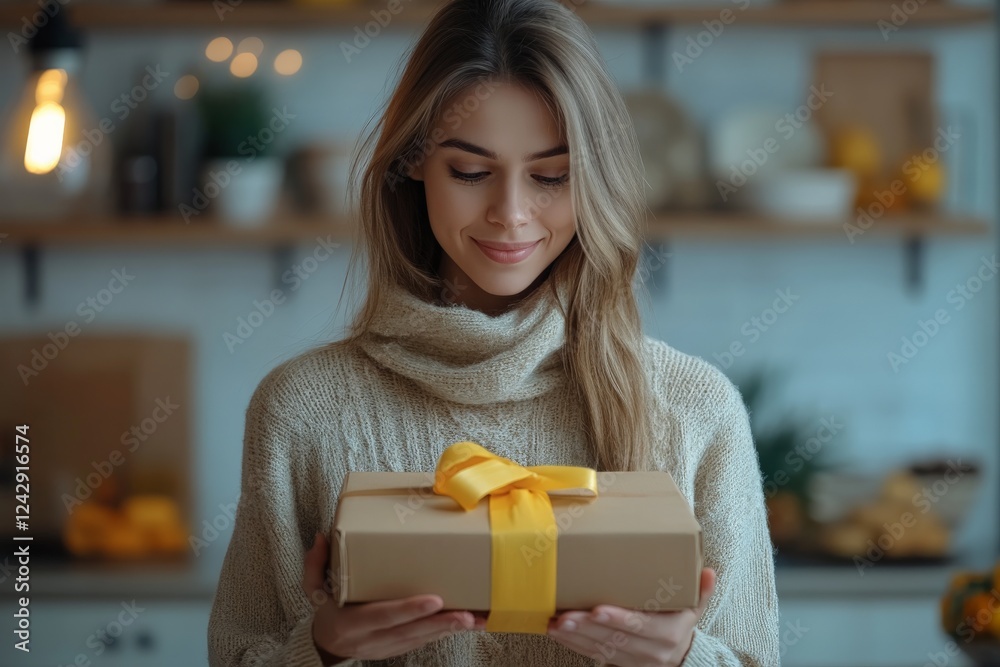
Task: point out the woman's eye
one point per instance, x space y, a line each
471 179
553 182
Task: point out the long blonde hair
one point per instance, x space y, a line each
544 46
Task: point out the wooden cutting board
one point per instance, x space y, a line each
82 403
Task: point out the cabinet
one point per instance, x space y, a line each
153 632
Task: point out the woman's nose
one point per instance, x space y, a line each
510 206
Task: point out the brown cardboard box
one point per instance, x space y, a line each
636 545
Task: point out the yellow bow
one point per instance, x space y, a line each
523 584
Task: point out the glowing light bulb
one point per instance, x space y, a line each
48 123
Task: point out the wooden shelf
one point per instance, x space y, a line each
282 235
167 230
728 226
289 231
284 15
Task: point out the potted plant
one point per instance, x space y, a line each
242 173
786 474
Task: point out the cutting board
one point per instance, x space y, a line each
98 394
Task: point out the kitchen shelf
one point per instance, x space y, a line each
729 226
167 230
911 229
171 230
282 235
264 14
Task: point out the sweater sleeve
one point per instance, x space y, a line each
740 626
260 615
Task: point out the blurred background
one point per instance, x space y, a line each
822 176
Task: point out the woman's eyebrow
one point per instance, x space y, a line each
469 147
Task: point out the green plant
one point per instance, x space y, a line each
233 118
786 462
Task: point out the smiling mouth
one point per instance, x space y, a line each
508 247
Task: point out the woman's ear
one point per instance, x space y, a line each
417 172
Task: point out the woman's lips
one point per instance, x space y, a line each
507 256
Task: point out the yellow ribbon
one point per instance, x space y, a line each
523 579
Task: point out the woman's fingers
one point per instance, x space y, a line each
374 616
417 633
315 563
601 639
444 622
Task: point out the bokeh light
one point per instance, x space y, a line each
186 87
219 49
252 45
243 65
288 62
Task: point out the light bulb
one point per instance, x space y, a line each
48 123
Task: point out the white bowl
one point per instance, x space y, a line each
802 195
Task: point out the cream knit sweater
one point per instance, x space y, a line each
432 375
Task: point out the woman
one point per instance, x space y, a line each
505 129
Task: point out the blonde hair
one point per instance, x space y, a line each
545 47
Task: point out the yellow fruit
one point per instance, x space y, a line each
173 540
151 510
85 529
926 181
857 149
982 612
123 540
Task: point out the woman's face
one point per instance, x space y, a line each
498 174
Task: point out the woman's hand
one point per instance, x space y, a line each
633 638
375 630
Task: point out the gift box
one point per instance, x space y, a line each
521 542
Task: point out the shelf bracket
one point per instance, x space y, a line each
29 262
654 265
913 249
654 51
282 257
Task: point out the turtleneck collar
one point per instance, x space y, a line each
466 356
